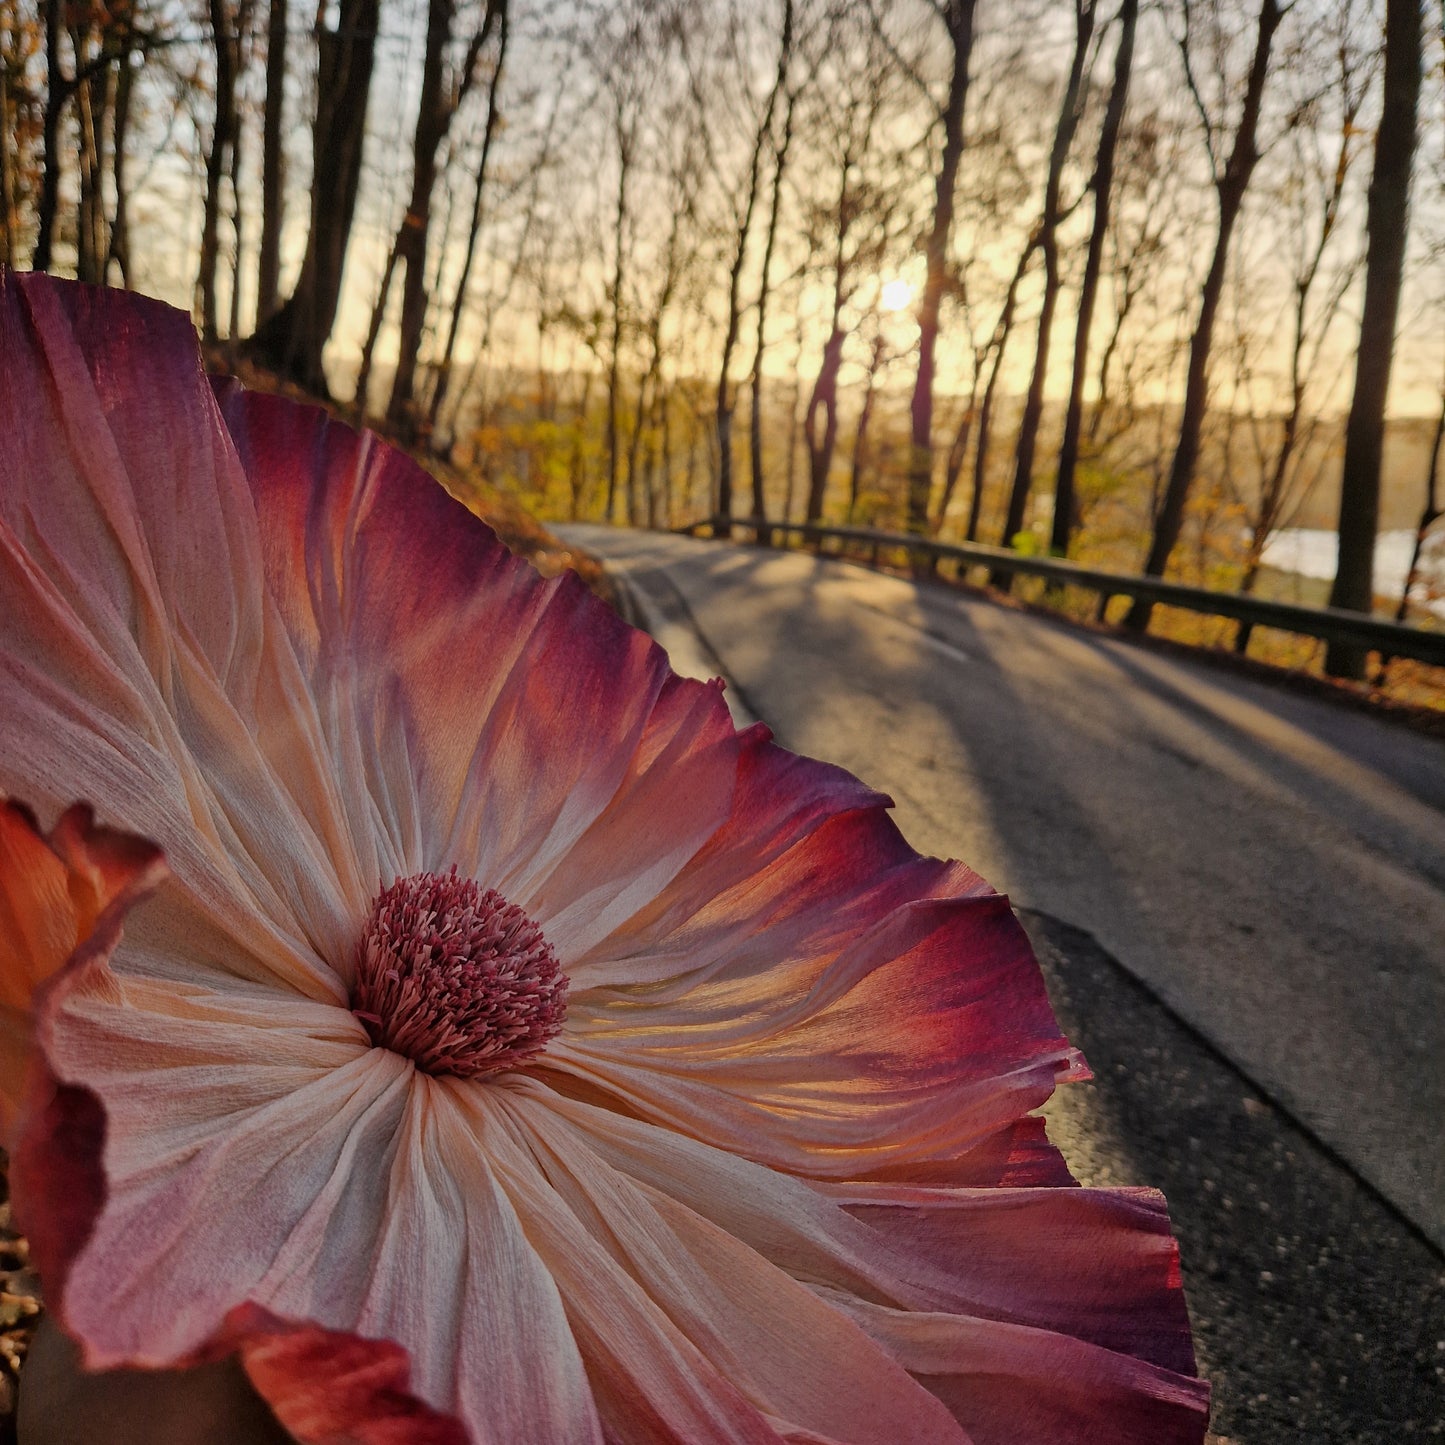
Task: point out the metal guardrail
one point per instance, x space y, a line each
1331 624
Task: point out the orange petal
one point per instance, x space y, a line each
53 894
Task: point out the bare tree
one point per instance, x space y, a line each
782 146
1325 144
273 163
441 97
21 40
1430 513
292 338
957 17
1231 179
1046 240
1102 185
853 229
228 25
744 204
474 227
1386 226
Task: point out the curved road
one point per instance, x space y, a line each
1270 866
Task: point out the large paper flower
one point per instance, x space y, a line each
504 1007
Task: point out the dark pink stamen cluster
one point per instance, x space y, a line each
456 978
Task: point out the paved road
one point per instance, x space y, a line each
1272 866
1238 898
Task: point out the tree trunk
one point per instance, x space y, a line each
292 339
723 410
218 159
790 471
8 227
614 362
998 343
755 418
1230 187
1065 506
92 95
57 91
359 402
273 165
822 438
1386 226
1048 240
860 434
957 450
118 247
432 121
459 299
238 162
1430 513
957 17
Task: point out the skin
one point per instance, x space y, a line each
60 1404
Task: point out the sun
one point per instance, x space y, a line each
896 294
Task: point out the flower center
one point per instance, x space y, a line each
456 978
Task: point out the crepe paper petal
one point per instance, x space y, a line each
328 1387
522 730
1096 1265
142 665
1112 1277
1012 1385
763 1170
805 860
332 1182
53 893
917 1042
799 1362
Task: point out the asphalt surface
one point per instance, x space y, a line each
1237 895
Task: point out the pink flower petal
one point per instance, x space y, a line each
328 1387
733 1200
140 663
811 993
1012 1385
512 727
53 893
259 1152
916 1043
1097 1266
801 1364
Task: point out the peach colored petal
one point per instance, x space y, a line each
1097 1266
802 1364
513 727
328 1387
140 663
1012 1385
53 890
916 1043
39 920
257 1151
54 893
